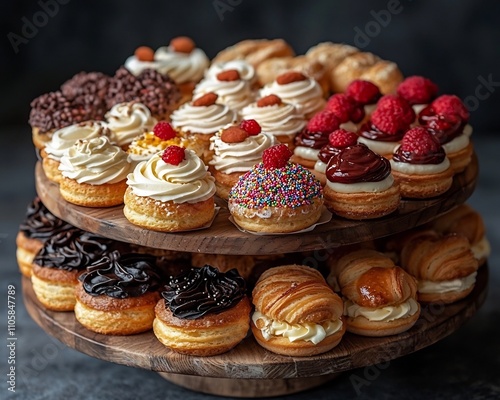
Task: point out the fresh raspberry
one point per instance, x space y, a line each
419 141
345 108
363 92
251 126
164 130
450 104
276 156
398 106
387 121
324 121
417 90
341 138
173 155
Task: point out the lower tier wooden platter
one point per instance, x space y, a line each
224 238
249 370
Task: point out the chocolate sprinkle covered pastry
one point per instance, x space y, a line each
121 275
201 291
158 92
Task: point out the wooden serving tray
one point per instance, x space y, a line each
224 238
249 370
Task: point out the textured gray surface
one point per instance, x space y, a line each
463 366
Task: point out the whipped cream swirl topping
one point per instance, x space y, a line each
278 119
235 94
201 291
203 119
244 68
121 275
128 120
181 67
306 94
382 314
62 139
95 161
309 332
188 182
239 157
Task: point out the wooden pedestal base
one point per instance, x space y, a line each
246 388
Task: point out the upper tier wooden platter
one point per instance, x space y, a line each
224 238
250 361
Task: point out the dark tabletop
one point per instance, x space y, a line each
465 365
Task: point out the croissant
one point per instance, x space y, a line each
296 312
466 221
380 297
444 266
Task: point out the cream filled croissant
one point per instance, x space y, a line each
296 312
444 266
380 297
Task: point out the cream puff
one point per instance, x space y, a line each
203 312
117 294
94 173
38 226
296 312
172 191
360 185
276 195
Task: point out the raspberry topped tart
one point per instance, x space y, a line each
360 184
172 191
420 165
418 91
347 110
276 195
364 93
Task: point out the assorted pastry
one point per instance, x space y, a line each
279 138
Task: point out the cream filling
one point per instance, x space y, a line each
381 314
420 169
349 126
468 130
456 144
320 166
481 249
306 152
309 332
359 187
379 146
454 285
418 107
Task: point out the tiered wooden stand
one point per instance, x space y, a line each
249 370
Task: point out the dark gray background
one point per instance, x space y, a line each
454 43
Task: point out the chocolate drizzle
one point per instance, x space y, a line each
201 291
121 275
370 131
40 223
313 140
72 250
357 163
444 128
327 152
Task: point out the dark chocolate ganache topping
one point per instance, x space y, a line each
357 163
200 291
411 157
444 128
327 152
370 131
40 223
313 140
121 275
72 250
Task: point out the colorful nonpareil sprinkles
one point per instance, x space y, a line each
291 186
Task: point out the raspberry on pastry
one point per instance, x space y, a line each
418 91
347 110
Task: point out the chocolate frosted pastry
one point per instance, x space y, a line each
360 185
201 291
37 227
313 140
88 88
203 312
117 294
58 264
121 275
158 92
